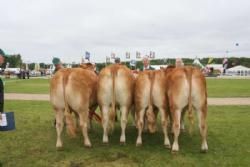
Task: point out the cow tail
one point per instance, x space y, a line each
190 111
151 77
71 130
112 113
150 109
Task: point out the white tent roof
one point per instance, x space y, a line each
157 67
239 67
215 65
197 62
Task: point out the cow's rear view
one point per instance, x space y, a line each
115 90
73 90
186 89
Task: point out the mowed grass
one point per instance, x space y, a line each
33 142
215 87
228 87
40 86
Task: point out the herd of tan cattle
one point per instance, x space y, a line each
171 92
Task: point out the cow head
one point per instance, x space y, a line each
151 120
88 66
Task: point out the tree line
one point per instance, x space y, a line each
15 61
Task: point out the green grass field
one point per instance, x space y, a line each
228 87
27 86
215 87
33 142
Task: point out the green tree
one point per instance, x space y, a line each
15 61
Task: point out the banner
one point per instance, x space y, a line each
107 59
127 55
151 54
112 55
87 55
138 55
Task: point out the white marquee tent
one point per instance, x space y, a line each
157 67
238 71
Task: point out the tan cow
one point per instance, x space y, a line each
73 90
150 98
186 88
115 89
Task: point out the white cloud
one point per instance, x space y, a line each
43 29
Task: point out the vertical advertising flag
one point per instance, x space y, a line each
127 55
138 55
151 54
112 55
107 59
87 55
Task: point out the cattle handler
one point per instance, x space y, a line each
57 63
2 55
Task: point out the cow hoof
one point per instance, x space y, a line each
138 144
59 148
88 146
105 143
167 146
59 144
174 152
203 151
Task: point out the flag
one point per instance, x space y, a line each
112 55
210 60
107 59
127 55
138 55
87 55
151 54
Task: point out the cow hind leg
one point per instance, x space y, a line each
59 126
182 119
164 123
176 129
203 128
140 124
124 120
105 123
83 116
